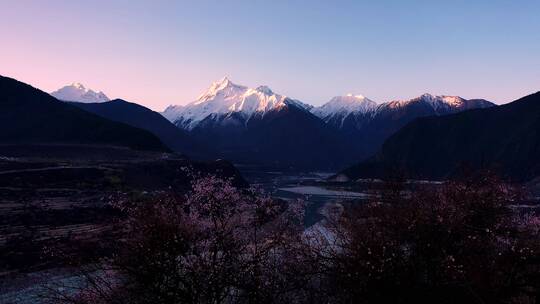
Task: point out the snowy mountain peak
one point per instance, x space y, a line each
439 104
223 87
79 93
221 84
435 101
224 97
225 80
450 100
343 105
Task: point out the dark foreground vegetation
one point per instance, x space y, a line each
463 242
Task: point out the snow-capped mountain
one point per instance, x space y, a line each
79 93
367 125
340 106
505 137
258 126
441 104
225 98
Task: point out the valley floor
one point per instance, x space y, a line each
63 204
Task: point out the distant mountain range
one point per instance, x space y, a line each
259 126
28 115
366 124
504 138
428 136
79 93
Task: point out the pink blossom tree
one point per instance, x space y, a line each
215 244
461 242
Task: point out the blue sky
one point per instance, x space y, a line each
167 52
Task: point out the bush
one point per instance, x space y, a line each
460 243
216 244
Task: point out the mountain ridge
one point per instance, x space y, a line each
505 138
229 115
30 115
367 130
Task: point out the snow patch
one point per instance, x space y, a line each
79 93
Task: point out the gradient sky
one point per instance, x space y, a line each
167 52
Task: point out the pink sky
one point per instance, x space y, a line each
159 53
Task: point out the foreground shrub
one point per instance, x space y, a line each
460 243
216 244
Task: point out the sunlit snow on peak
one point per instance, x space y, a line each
79 93
345 104
223 97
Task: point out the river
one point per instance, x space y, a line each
311 187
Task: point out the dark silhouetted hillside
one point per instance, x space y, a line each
141 117
29 115
505 138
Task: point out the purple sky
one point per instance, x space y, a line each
167 52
